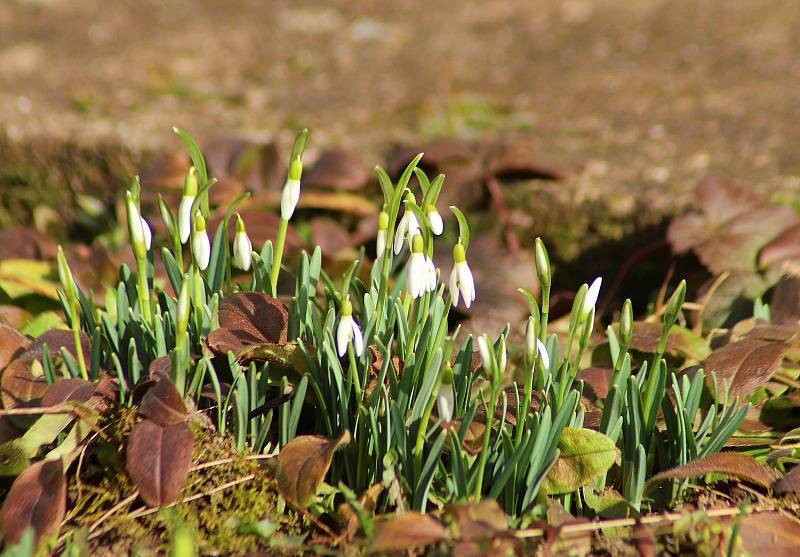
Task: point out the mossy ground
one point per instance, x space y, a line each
104 518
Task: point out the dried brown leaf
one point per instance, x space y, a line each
336 170
302 465
784 246
789 483
37 499
248 318
163 404
19 387
65 390
158 460
732 226
56 339
737 465
773 533
481 520
407 531
12 344
746 364
681 341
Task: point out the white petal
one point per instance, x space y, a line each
431 272
358 339
591 296
201 246
343 333
400 234
185 217
437 224
466 283
543 355
380 243
454 286
289 198
147 235
242 249
445 401
486 356
417 278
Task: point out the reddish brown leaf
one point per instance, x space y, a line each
785 302
737 465
789 483
65 390
161 366
163 404
248 318
37 499
732 226
56 339
407 531
785 246
681 341
158 459
17 318
336 170
598 379
773 533
329 235
26 243
302 465
18 386
11 344
482 520
746 364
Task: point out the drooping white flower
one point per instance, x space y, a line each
146 233
291 190
418 275
185 208
461 281
383 231
348 330
201 245
407 228
242 247
446 397
591 297
435 219
431 284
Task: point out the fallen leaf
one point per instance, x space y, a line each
407 531
65 390
22 277
585 455
37 499
732 226
11 344
302 465
56 339
248 318
329 235
745 364
785 245
336 170
158 459
680 342
772 533
26 243
480 520
789 483
785 302
163 404
19 387
738 465
598 379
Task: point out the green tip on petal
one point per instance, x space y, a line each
459 254
416 244
240 224
447 375
199 222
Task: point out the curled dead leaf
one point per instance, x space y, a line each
407 531
248 318
302 465
37 499
746 364
737 465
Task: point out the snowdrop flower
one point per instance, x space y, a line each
486 355
534 345
291 190
383 230
201 246
185 208
446 397
140 241
146 233
461 281
242 247
437 224
431 285
418 275
407 228
348 330
591 297
543 355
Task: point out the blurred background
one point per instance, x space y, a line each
589 122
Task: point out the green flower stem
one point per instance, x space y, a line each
143 290
486 438
76 335
277 255
419 445
544 313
